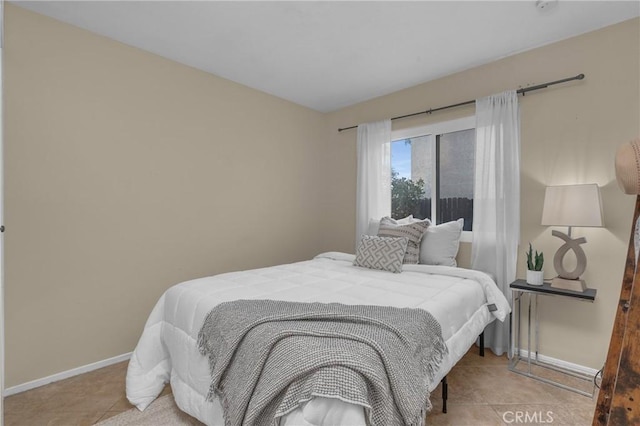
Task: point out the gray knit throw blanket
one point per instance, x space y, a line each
267 357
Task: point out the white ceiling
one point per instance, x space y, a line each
328 55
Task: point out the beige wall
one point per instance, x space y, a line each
569 135
127 173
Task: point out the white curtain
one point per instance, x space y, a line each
496 204
373 191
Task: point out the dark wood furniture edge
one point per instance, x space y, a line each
619 397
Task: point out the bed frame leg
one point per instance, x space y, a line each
482 343
445 394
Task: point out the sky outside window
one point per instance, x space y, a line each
401 158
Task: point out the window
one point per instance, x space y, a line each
434 163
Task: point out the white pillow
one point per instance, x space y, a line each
374 225
439 245
407 220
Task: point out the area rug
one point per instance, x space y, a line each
162 412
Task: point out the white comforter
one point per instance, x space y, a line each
167 351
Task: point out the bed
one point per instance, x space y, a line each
462 300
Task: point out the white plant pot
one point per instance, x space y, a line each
535 277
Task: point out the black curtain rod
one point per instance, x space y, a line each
519 91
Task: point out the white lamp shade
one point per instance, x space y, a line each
572 205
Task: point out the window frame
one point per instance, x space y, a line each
433 130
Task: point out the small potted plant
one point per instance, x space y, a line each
535 275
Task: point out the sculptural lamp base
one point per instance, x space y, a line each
573 285
569 280
571 205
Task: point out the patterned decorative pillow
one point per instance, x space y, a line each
412 232
382 253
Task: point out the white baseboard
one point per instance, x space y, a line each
577 368
124 357
65 374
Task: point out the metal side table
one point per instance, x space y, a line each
521 290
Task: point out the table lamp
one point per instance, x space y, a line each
571 205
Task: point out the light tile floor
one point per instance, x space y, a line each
481 392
